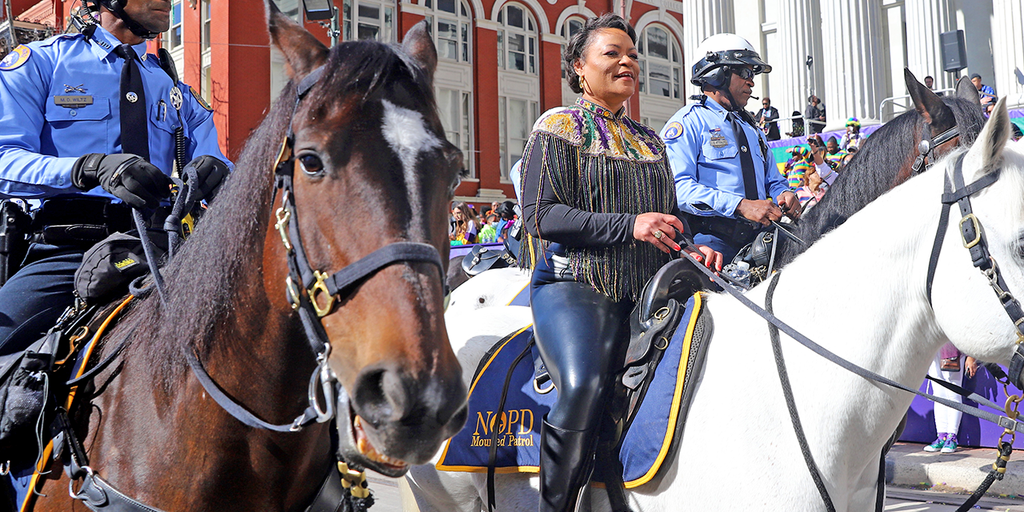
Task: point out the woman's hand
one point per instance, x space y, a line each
659 229
706 255
970 366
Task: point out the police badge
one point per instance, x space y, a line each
176 98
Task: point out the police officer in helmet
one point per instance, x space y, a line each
726 178
87 127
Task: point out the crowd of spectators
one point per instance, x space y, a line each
465 226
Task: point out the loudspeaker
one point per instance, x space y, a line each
954 51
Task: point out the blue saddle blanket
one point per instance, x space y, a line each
646 443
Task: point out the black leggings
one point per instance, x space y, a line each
582 336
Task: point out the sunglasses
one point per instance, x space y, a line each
744 73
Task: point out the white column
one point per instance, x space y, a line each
702 19
1008 49
800 28
854 60
926 19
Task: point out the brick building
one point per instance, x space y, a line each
499 64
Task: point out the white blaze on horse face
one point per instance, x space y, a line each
408 134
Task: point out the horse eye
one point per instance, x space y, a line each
311 164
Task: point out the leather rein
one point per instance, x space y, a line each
317 301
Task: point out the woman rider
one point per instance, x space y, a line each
599 207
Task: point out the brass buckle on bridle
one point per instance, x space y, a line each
319 289
977 230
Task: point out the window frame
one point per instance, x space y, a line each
673 62
530 35
463 21
385 23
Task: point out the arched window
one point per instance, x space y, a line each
572 26
451 28
660 63
368 19
517 40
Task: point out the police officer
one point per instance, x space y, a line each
87 125
725 174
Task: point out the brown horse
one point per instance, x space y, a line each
371 168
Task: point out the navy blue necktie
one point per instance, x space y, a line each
746 160
134 121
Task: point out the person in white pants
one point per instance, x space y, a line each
950 366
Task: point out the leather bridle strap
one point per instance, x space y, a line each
927 145
973 237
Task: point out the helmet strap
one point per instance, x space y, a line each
116 7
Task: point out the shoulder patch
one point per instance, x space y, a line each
16 58
199 99
673 130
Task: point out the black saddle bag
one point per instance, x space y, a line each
26 379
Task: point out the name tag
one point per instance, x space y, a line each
72 101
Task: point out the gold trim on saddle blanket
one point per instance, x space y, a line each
673 418
45 461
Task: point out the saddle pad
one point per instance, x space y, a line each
646 445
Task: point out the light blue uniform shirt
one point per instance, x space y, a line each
705 159
41 139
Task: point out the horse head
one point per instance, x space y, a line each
369 166
888 157
979 322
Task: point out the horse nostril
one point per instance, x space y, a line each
370 397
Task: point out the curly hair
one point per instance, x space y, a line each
581 40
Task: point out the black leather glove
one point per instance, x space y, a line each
211 172
128 177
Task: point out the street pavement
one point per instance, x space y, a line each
916 481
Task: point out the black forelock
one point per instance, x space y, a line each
363 67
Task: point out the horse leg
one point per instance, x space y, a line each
440 491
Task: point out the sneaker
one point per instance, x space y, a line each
950 445
937 444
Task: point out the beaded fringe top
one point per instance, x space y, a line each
604 162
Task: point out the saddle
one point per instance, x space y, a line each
665 355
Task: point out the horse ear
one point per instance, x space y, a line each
420 46
965 89
992 139
926 102
302 52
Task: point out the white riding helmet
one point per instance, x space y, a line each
716 53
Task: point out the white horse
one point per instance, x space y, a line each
860 292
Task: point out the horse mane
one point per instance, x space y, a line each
219 268
873 171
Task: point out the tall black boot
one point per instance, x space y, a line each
566 462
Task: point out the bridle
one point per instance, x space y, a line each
317 296
973 237
927 145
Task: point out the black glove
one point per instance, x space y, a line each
211 172
128 177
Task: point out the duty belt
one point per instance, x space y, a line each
740 232
65 221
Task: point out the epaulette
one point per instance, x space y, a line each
561 123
